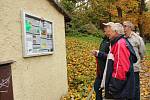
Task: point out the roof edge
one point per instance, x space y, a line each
61 10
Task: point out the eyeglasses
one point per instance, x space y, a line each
105 26
125 26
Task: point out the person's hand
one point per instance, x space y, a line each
102 55
95 53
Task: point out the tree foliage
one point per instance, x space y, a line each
94 12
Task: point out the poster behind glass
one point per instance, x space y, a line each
38 36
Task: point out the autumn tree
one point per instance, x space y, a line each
89 14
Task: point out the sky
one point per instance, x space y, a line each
146 0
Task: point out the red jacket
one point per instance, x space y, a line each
121 59
120 74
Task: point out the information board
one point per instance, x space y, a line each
37 36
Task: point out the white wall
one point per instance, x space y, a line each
35 78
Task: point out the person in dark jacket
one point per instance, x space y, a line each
120 82
101 56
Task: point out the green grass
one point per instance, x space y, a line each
88 38
91 38
148 46
148 49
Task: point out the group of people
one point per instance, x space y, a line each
118 62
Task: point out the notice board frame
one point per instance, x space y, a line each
45 38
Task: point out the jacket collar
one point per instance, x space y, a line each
116 39
131 34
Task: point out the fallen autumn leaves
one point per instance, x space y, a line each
82 68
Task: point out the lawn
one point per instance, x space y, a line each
82 68
81 65
148 49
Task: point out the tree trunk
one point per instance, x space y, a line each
110 17
140 23
119 10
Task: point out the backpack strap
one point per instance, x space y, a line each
133 57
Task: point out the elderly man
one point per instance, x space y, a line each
139 48
119 85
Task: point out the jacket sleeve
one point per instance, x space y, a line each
121 60
121 67
102 55
141 48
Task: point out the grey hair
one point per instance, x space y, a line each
119 28
129 24
112 25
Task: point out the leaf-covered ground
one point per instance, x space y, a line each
82 68
145 75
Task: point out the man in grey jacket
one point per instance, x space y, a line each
139 48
